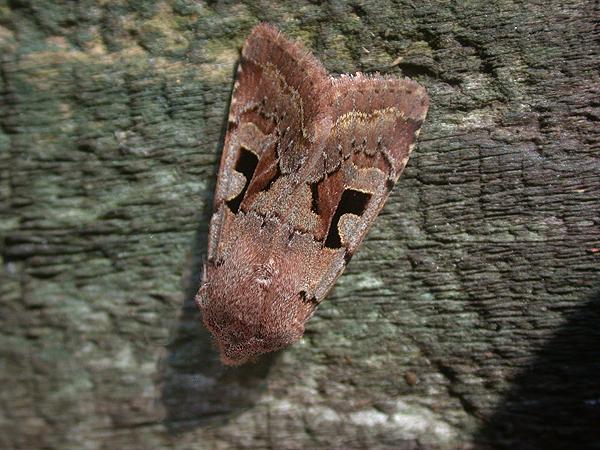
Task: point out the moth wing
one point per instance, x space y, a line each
375 122
274 109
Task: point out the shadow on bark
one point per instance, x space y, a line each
555 404
197 390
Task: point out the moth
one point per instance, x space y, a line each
307 164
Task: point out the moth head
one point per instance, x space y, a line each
247 323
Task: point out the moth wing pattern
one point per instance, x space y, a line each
273 78
307 164
375 122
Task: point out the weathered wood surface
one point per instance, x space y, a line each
480 277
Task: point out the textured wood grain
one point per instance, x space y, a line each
479 275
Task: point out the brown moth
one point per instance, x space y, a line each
307 164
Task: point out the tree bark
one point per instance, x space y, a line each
469 318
